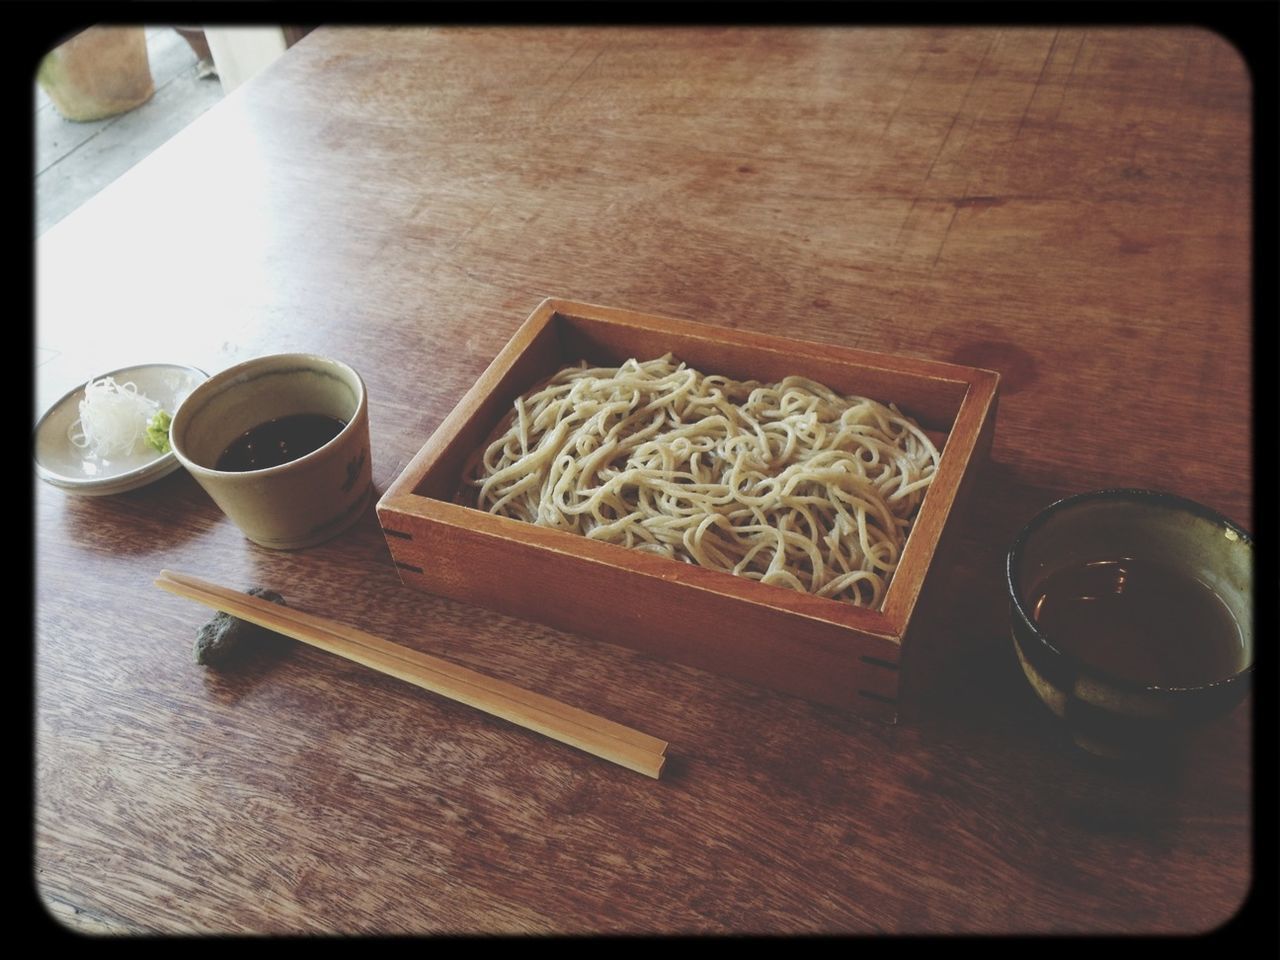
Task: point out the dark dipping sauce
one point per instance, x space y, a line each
1140 621
279 441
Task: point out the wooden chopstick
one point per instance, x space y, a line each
339 632
595 735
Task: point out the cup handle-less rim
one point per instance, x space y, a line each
1013 563
186 411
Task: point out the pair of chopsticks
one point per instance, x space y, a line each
578 728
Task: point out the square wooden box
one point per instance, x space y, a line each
825 650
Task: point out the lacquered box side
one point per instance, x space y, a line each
636 564
920 661
973 421
661 615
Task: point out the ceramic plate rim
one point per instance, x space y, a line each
160 466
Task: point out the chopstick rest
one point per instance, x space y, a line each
593 734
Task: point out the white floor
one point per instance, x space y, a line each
73 161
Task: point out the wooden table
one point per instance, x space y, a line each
1069 207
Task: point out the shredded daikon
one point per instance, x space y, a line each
113 418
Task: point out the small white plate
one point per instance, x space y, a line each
63 464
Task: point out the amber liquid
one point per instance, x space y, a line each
1141 621
279 441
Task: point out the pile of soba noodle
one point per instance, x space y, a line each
786 483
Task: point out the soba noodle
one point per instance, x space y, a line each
789 483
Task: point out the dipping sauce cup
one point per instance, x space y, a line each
1132 615
315 493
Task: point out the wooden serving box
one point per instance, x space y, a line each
825 650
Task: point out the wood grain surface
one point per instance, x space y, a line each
1068 207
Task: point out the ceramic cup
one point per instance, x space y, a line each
1105 706
299 503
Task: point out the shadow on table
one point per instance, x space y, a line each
235 678
959 666
965 696
155 518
